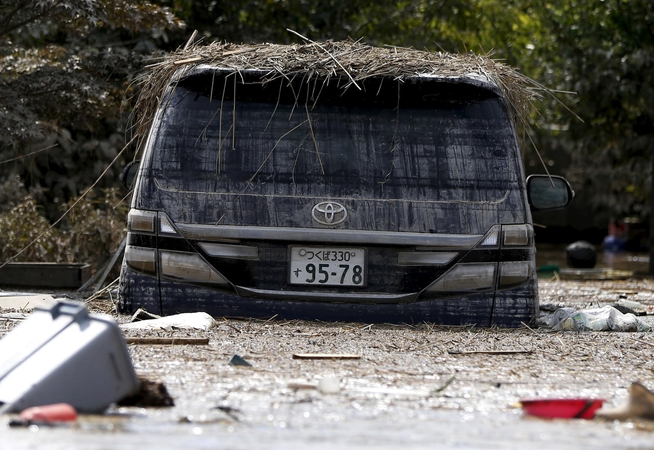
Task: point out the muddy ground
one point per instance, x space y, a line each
412 386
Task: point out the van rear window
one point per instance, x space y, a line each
419 140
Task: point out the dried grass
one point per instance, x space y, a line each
348 60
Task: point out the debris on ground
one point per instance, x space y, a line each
562 408
151 394
405 372
325 356
329 385
14 316
640 405
194 321
581 255
59 412
446 384
229 411
488 352
332 385
142 314
398 392
629 306
595 274
50 415
21 301
606 318
166 341
239 361
301 385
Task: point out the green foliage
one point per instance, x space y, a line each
417 23
604 52
66 67
89 234
22 224
96 226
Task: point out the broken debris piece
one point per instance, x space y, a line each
46 414
230 411
142 314
238 361
629 306
329 385
195 321
606 318
301 385
562 408
151 394
640 405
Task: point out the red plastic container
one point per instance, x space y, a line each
562 408
59 412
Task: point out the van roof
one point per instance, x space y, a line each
351 61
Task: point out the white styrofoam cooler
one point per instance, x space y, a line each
63 354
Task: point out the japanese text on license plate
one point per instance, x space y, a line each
327 266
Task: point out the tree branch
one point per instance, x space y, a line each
44 12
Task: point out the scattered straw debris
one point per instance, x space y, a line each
348 60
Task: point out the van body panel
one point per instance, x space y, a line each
461 177
517 307
421 175
137 290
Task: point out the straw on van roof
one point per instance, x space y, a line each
353 61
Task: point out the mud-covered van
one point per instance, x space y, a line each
334 182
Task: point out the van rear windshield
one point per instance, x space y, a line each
419 140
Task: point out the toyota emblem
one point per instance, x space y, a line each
329 213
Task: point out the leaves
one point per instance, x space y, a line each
605 53
67 65
92 232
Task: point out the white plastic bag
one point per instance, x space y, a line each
606 318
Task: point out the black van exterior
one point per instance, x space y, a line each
398 200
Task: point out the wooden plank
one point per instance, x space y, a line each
325 356
167 341
489 352
117 254
37 274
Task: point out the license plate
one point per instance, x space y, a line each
327 266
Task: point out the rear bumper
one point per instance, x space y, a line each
505 308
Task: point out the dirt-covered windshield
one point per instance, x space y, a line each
419 140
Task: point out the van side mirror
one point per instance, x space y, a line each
548 192
128 174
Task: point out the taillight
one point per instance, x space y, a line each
141 221
521 235
150 222
467 277
183 266
486 276
492 238
514 273
141 259
165 225
189 267
517 235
